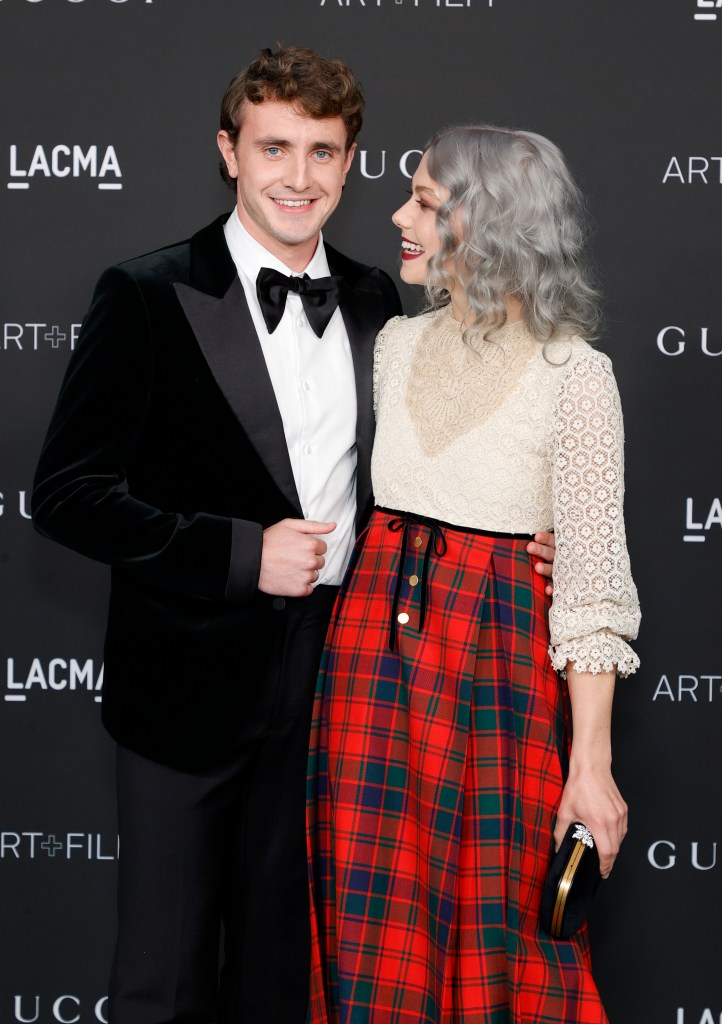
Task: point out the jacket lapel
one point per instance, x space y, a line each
216 309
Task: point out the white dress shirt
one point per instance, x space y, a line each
313 379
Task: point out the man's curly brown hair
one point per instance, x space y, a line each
318 86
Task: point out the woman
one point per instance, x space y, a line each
442 762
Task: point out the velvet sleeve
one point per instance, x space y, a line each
80 496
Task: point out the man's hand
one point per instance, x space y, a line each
544 546
292 557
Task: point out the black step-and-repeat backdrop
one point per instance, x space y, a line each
109 112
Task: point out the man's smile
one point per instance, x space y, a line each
292 204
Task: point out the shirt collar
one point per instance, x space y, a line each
249 255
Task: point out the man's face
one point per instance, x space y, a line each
290 170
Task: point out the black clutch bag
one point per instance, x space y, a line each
571 883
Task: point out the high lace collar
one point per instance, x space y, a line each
488 346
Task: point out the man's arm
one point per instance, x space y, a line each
79 497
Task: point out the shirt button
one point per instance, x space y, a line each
403 618
279 603
306 386
308 449
413 580
417 542
301 322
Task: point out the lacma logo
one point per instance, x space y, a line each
706 11
57 675
66 162
708 1017
701 519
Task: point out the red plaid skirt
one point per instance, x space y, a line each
435 772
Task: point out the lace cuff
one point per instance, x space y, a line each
599 652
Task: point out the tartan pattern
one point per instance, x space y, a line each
434 776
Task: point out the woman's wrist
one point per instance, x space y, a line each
590 759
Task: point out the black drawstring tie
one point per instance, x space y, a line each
436 540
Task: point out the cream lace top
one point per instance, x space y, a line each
491 434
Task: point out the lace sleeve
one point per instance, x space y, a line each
380 349
595 604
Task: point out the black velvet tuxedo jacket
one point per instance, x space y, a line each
166 458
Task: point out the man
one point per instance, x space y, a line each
212 443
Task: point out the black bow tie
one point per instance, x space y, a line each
319 297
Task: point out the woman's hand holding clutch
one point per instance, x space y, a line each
591 794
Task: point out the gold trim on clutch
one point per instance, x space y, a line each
565 884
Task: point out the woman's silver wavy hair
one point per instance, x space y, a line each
523 229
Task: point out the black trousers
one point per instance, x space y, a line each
223 847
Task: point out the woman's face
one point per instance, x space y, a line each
417 222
